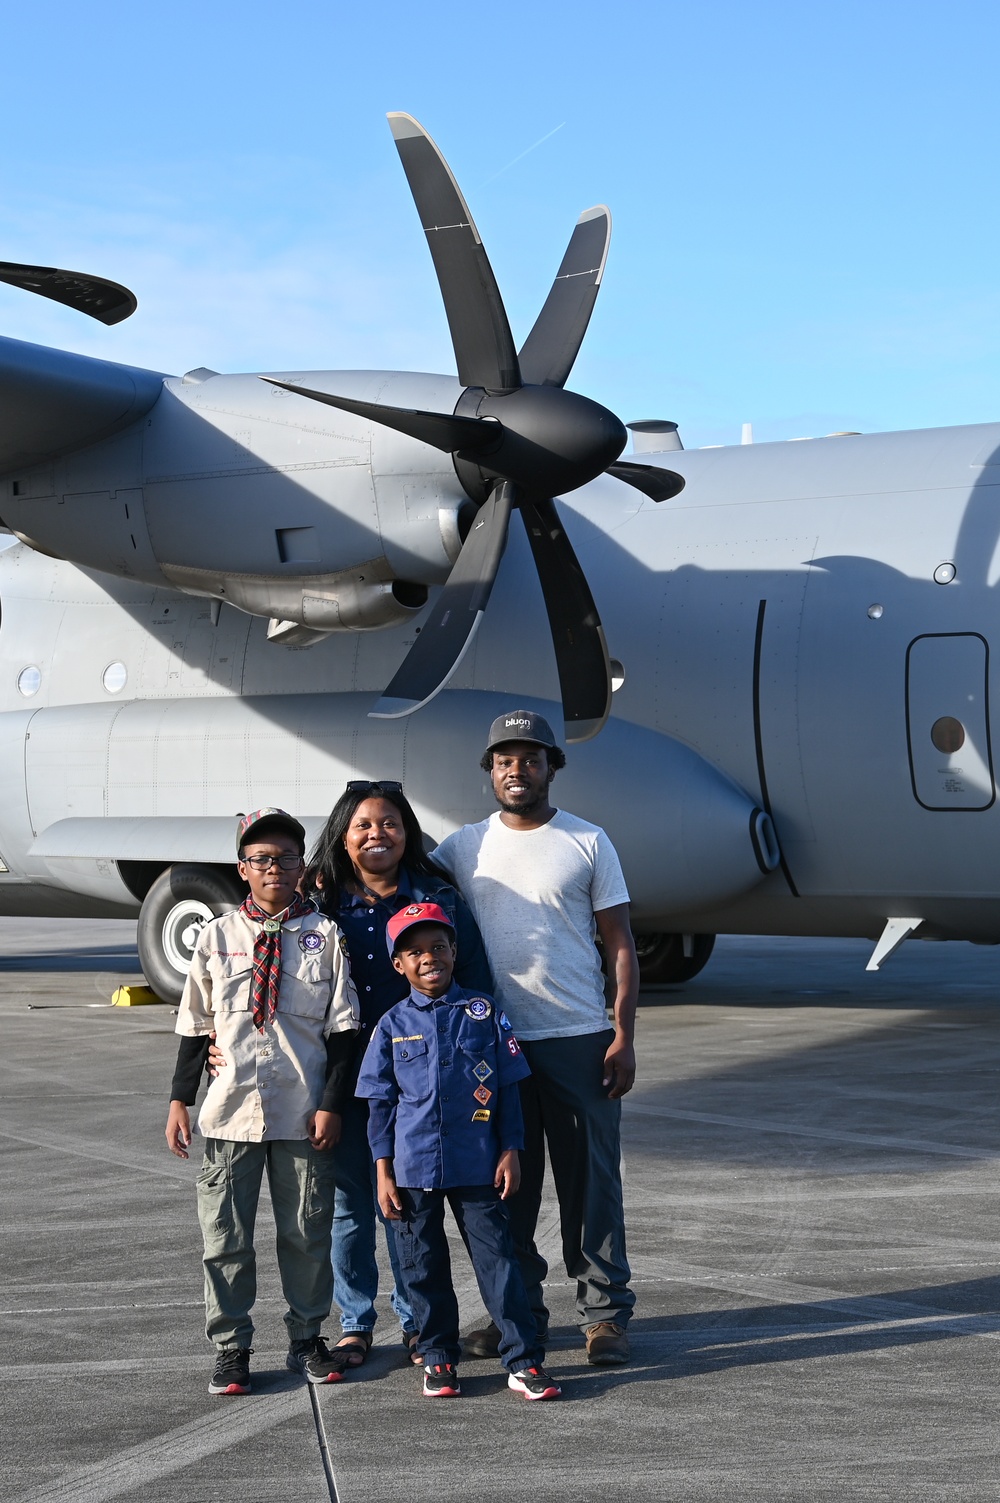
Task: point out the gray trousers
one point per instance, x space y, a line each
300 1181
566 1106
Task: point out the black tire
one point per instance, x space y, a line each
662 960
176 908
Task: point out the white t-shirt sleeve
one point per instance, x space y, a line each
607 889
444 855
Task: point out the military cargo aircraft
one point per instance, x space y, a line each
771 661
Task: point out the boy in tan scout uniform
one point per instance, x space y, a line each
271 980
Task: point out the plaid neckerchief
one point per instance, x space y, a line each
266 981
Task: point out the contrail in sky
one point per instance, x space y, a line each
523 154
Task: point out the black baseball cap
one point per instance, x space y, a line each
520 725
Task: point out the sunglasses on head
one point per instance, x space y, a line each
365 785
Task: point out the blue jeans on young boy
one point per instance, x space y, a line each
424 1259
355 1269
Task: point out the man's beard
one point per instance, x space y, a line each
525 807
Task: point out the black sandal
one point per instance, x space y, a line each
355 1345
410 1339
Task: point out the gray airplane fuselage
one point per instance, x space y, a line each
784 645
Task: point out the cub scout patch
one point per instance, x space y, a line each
413 909
311 941
505 1022
478 1008
482 1094
513 1047
343 945
480 1116
482 1071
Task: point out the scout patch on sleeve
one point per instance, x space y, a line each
478 1008
505 1023
311 941
482 1094
482 1071
481 1116
343 946
513 1047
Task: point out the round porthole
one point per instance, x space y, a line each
115 677
948 734
945 573
29 681
617 674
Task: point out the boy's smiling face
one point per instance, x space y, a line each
425 955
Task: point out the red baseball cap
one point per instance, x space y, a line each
414 913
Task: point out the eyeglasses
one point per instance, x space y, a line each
288 862
364 785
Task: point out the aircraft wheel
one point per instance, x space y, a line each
662 959
177 907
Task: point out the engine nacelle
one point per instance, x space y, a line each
241 491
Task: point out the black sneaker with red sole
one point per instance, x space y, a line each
441 1382
534 1383
232 1371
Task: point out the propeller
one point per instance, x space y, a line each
98 298
517 437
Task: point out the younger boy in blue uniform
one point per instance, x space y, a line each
440 1075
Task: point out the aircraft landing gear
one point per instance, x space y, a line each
176 908
672 959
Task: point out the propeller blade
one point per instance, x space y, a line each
547 355
657 484
480 333
107 301
440 429
577 633
448 631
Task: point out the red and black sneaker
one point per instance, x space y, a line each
534 1383
441 1382
232 1371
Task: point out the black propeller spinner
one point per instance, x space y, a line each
517 438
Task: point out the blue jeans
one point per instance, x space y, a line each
426 1264
355 1271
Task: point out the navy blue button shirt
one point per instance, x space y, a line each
440 1075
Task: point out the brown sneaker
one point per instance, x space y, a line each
607 1344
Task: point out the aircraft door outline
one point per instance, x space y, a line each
948 722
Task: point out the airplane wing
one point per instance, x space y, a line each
52 401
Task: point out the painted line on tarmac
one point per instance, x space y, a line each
60 1143
863 1307
795 1130
234 1423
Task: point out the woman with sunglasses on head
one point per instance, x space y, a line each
368 863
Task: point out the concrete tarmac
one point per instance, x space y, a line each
810 1159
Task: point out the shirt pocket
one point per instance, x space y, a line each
232 976
412 1067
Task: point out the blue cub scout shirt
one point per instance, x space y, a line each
440 1075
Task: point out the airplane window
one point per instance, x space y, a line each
115 677
617 674
29 681
948 734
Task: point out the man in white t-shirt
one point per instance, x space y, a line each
543 885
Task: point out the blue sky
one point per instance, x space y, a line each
804 196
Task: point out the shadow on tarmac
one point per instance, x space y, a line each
94 958
689 1345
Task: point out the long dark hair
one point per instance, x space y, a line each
330 857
